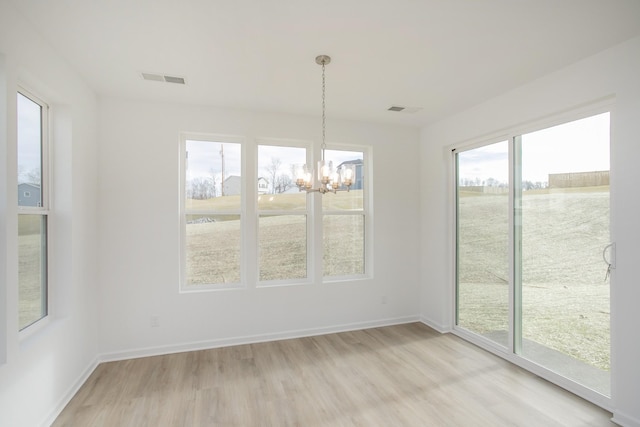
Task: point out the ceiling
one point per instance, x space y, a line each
440 55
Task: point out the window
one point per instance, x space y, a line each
343 220
244 221
282 254
33 209
212 213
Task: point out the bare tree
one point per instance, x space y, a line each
34 176
201 188
283 183
272 170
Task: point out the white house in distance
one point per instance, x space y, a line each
467 71
263 185
233 183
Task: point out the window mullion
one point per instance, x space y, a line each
515 242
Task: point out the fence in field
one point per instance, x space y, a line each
578 179
484 189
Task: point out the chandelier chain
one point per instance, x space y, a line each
323 111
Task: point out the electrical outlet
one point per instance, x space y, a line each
155 321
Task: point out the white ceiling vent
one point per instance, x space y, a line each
163 78
399 109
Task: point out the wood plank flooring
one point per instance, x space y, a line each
406 375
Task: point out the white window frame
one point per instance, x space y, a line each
43 209
232 139
366 212
249 267
308 212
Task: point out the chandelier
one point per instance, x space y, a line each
329 179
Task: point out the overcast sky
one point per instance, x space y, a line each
578 146
29 128
205 159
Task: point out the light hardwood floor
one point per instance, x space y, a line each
406 375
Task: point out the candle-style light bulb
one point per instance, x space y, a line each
324 172
335 180
300 176
347 175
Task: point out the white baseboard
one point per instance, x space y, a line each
625 420
251 339
66 398
435 325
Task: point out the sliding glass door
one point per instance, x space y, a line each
563 232
549 302
483 241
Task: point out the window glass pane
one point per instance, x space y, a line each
565 228
212 249
343 243
277 188
282 241
29 152
213 178
353 199
32 269
483 241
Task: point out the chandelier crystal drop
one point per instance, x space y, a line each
328 180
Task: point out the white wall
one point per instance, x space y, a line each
139 235
39 372
613 72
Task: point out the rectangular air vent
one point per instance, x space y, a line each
173 79
404 109
163 78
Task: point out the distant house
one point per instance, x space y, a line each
233 184
29 195
263 186
357 182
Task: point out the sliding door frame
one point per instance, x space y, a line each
512 353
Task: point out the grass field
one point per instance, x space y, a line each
30 266
565 299
282 239
343 200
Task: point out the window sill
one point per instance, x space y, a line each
34 329
194 289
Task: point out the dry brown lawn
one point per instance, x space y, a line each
30 265
565 299
213 248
